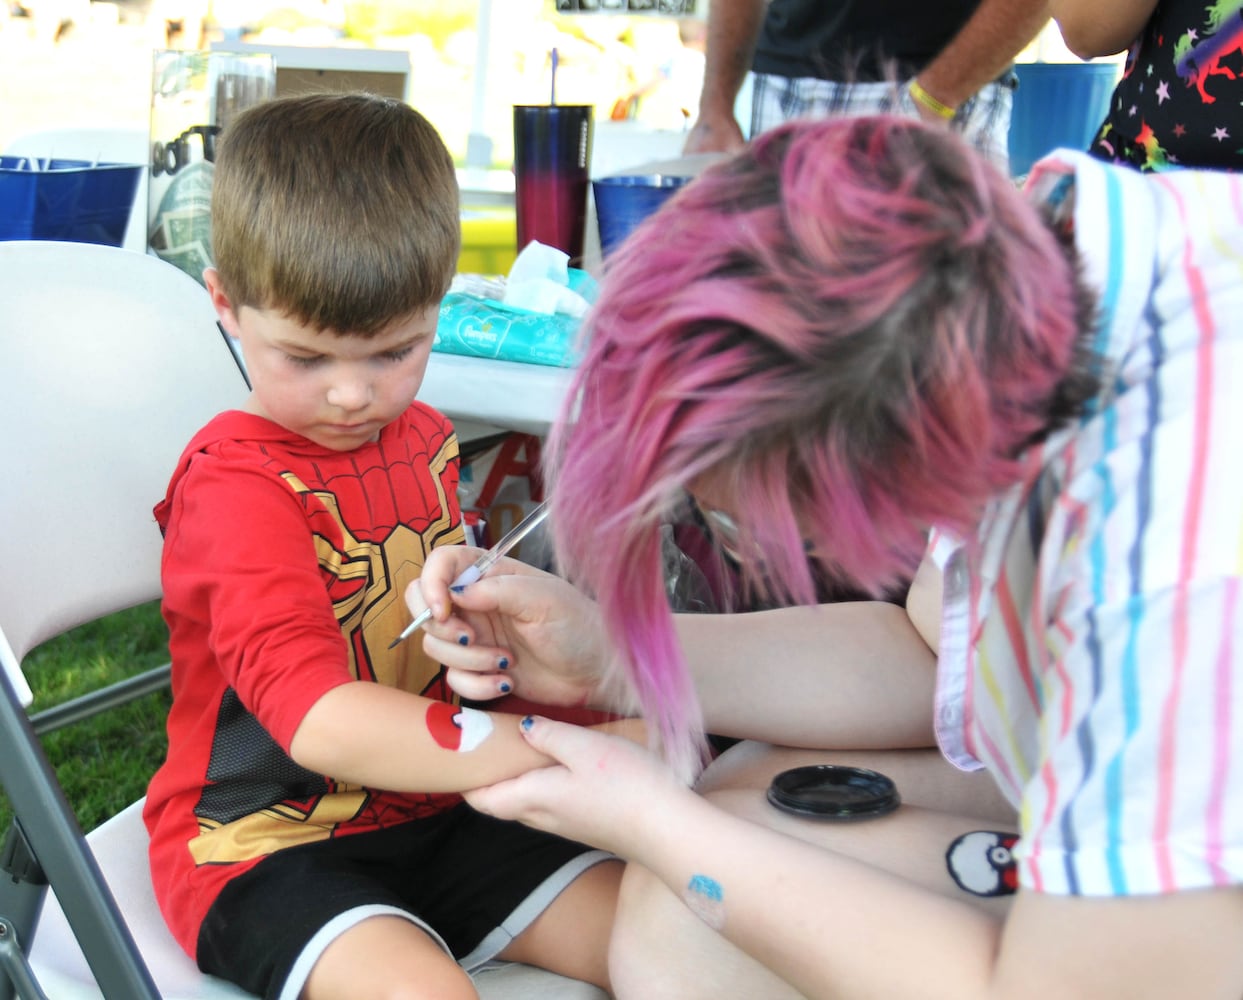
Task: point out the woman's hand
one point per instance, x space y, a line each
605 790
518 630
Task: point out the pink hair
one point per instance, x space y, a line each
855 326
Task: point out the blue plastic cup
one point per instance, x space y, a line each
625 200
70 200
1057 105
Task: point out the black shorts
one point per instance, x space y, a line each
472 882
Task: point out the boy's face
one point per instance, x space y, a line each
335 390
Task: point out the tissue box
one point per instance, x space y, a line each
485 328
478 324
69 200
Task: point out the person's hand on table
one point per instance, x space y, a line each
519 631
604 790
714 134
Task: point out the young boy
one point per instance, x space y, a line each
306 835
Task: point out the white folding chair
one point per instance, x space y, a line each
109 362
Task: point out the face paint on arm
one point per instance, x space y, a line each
982 863
455 727
706 899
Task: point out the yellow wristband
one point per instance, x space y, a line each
924 98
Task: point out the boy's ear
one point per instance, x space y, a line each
219 300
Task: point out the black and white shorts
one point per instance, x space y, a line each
473 883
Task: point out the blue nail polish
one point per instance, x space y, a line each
463 640
527 722
503 663
506 687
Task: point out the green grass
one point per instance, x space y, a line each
103 763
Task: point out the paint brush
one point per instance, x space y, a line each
481 565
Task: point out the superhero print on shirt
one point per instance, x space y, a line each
372 529
371 541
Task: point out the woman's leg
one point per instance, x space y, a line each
662 950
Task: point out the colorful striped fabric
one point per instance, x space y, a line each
1092 647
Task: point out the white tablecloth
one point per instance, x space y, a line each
495 394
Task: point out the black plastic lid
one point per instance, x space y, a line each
831 791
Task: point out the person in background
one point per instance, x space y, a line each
859 347
1179 102
811 58
666 97
307 835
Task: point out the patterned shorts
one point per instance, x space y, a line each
984 120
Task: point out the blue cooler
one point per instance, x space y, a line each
1055 105
70 200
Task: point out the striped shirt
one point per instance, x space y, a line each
1092 643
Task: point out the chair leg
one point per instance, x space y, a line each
70 868
21 901
17 972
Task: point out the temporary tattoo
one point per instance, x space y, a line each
457 728
706 900
982 863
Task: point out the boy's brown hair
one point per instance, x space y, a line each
338 210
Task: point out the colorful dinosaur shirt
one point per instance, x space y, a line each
1180 100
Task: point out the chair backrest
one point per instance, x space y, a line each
109 362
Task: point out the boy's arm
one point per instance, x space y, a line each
275 640
382 737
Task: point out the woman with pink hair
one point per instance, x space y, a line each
864 356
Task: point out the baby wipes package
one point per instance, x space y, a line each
532 315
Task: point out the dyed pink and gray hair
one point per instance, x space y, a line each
852 329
